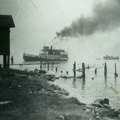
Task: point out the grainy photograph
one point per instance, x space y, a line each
59 59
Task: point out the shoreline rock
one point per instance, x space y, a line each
32 97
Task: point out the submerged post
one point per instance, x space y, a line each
115 69
83 70
105 69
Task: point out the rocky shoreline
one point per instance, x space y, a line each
28 95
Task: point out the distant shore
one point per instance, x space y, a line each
27 95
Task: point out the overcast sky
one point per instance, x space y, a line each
37 21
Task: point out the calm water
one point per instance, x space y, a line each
89 89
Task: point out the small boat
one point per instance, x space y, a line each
47 54
111 57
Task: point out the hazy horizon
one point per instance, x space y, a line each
36 24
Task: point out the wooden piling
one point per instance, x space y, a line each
115 71
56 69
83 70
48 66
88 66
74 69
41 65
95 70
105 69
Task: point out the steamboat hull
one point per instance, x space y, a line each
111 58
31 58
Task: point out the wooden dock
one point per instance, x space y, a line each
38 63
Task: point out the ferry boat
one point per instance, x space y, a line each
47 54
111 57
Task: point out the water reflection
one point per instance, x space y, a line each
105 79
74 84
74 79
83 83
115 82
98 87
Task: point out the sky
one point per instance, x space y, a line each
37 21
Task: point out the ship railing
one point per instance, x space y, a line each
50 56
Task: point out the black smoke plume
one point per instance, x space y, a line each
105 17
